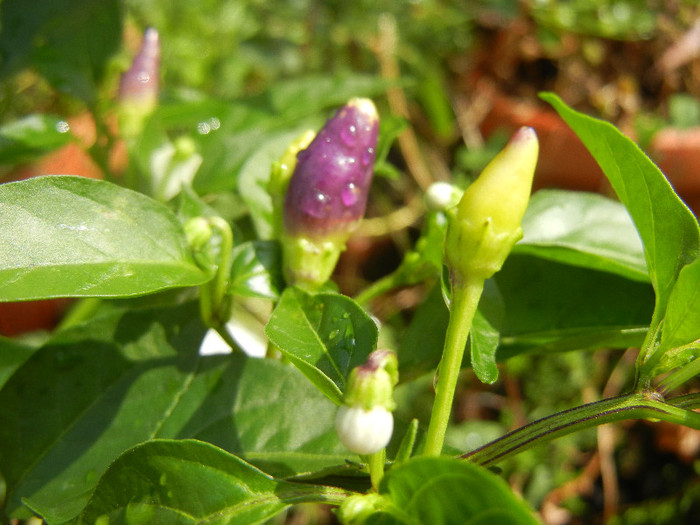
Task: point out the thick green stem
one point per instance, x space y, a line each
638 405
465 299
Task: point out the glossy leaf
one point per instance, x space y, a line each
325 335
257 270
558 307
25 139
190 482
124 378
70 236
68 42
485 334
448 491
682 322
668 229
583 229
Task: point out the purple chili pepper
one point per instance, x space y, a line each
327 193
140 83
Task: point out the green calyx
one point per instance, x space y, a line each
372 383
477 250
280 173
309 263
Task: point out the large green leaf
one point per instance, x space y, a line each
668 229
557 307
325 335
583 229
69 42
190 482
448 491
100 388
70 236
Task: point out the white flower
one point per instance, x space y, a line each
441 195
364 431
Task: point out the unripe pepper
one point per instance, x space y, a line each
327 193
486 223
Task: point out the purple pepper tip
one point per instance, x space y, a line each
140 82
327 194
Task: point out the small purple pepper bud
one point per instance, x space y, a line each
140 81
327 193
138 86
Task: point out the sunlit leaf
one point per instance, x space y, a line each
325 335
191 482
70 236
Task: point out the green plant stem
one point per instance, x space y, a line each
376 467
638 405
382 286
465 299
214 306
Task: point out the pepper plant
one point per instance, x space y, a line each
210 371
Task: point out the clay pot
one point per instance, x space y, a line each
677 153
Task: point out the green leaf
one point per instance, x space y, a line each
559 307
25 139
190 482
12 355
668 229
682 321
325 335
448 491
256 270
420 348
583 229
311 94
69 236
99 388
68 42
485 334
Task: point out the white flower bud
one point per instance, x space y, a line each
442 195
364 431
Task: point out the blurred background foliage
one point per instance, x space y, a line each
439 70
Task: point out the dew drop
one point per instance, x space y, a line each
350 194
319 206
367 156
62 126
203 128
349 135
143 77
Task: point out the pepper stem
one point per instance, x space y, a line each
465 299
